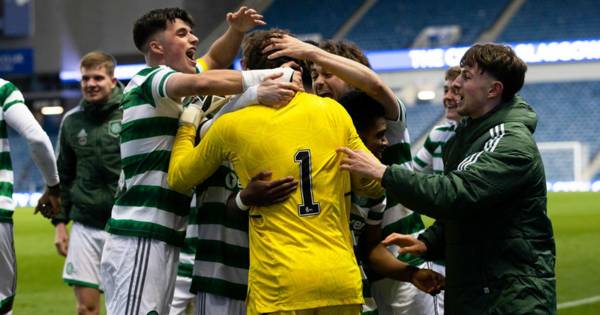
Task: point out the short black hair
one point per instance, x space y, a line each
156 21
363 109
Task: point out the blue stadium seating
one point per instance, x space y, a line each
567 111
576 19
395 24
310 16
27 177
421 118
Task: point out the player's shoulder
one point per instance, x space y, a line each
146 75
73 114
5 84
314 102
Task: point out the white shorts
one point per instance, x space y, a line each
439 298
138 275
401 298
82 266
210 304
8 268
182 296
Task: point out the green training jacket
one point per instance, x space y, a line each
492 228
89 161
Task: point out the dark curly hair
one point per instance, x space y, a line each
252 49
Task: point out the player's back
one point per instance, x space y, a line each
301 250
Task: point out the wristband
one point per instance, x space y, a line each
239 203
255 77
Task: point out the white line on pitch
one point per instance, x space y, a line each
575 303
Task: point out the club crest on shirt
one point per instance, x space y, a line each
114 128
69 268
82 137
231 181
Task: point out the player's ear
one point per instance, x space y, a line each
244 64
156 47
496 89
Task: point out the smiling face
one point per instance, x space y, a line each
374 137
326 84
177 45
96 84
451 100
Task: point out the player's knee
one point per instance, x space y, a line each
87 309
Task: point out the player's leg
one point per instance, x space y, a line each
210 304
138 275
88 300
439 298
182 297
8 268
82 266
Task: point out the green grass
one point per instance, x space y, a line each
40 289
576 221
575 216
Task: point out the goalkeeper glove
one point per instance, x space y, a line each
200 107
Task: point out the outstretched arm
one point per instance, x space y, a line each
221 53
189 165
350 71
18 116
385 264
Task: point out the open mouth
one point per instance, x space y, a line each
191 53
325 93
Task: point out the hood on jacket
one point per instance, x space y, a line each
515 110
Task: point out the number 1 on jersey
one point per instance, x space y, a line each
308 205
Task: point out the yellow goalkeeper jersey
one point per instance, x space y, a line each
301 254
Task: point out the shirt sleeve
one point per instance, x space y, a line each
360 185
189 165
18 117
434 239
397 128
483 179
201 65
249 97
66 164
158 85
423 160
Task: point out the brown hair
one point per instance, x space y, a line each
452 73
346 49
253 45
97 59
499 61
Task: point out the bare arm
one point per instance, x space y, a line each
385 264
215 82
350 71
222 52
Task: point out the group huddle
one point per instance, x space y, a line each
288 187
